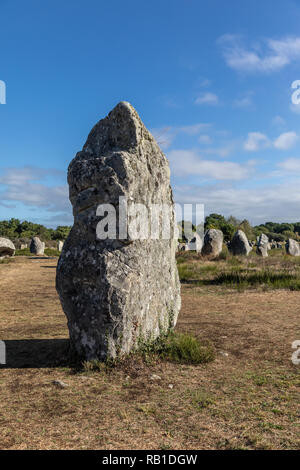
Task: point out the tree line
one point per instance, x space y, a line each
274 230
14 228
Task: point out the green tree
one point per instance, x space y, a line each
247 229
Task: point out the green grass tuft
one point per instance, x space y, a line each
265 277
186 349
25 252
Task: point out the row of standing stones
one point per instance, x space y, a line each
37 247
212 244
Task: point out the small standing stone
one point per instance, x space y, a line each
292 247
239 244
60 245
213 242
196 243
262 245
37 247
7 248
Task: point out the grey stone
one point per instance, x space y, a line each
292 247
60 245
213 242
262 245
60 383
116 293
155 377
7 248
239 244
196 243
37 247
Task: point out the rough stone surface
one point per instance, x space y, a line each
213 242
37 247
292 247
262 245
239 244
7 248
116 293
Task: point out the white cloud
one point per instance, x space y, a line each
295 108
194 129
28 185
207 98
278 121
165 135
245 102
286 141
290 165
188 162
259 204
223 150
203 82
256 141
205 139
268 57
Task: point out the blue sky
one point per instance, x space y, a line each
211 80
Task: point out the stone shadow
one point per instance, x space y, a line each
36 353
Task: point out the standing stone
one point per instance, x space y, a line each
117 293
36 246
239 244
196 243
181 246
60 245
213 242
7 248
262 245
292 247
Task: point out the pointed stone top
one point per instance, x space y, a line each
121 130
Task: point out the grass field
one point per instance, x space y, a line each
246 398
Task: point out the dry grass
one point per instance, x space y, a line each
247 398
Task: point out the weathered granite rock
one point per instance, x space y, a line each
239 244
213 242
292 247
262 245
196 243
37 247
7 248
60 245
117 292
